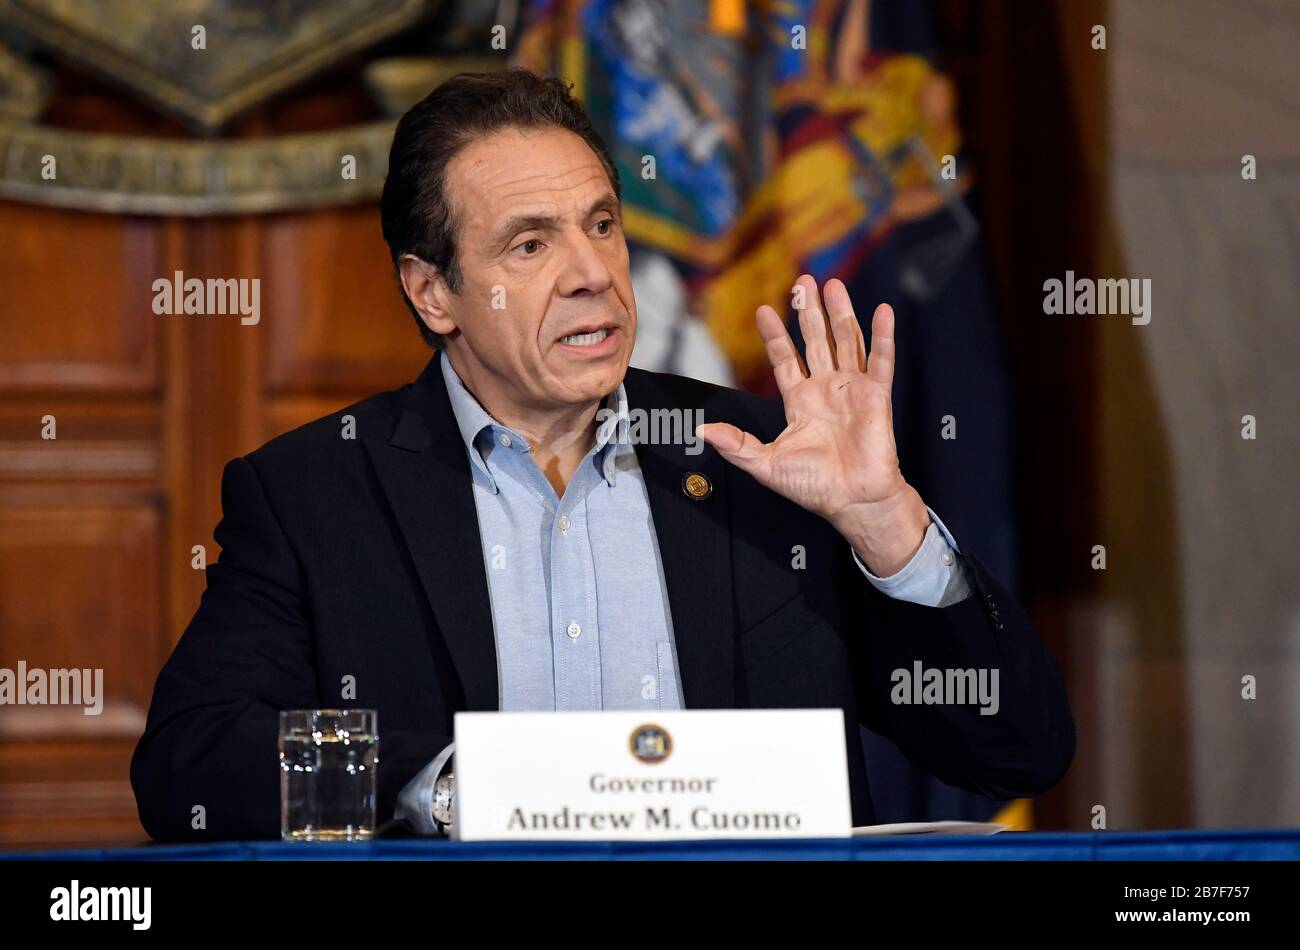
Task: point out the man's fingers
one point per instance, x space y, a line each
817 346
849 348
787 367
880 364
738 447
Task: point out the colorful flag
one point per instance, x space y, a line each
764 139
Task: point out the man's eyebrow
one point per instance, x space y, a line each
606 202
524 222
545 222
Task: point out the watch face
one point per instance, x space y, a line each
443 796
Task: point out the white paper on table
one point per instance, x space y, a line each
930 828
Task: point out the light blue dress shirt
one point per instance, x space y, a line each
580 610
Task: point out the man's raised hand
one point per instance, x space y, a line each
836 456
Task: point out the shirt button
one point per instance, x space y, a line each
574 631
947 558
505 440
564 522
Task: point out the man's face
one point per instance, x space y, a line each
545 307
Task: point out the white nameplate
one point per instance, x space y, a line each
708 773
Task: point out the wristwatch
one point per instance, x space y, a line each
444 802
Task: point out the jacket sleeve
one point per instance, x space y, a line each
1024 747
207 767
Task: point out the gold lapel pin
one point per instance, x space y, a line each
696 486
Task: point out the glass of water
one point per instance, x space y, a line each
329 761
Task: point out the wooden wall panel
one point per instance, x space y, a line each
97 527
346 328
77 301
79 589
67 792
84 516
95 439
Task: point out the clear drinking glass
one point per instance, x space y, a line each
329 761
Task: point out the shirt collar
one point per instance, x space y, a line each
476 426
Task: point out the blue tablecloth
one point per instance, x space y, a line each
1022 846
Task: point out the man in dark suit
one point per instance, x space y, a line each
507 532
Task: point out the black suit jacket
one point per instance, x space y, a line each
361 557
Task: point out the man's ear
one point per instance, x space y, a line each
428 292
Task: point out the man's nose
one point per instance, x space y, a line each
585 269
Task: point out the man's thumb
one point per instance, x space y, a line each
736 446
723 436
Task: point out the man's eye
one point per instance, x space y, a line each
604 226
529 247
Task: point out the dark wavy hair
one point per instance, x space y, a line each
416 213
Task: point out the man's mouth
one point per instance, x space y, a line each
589 338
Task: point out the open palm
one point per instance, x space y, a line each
836 456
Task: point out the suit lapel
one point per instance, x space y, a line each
695 548
425 475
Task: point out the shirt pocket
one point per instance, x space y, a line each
667 673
